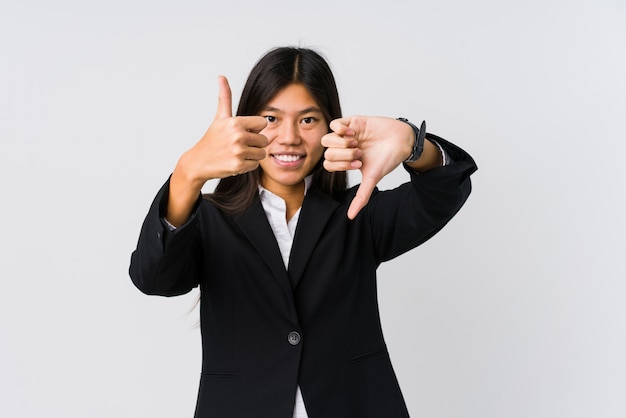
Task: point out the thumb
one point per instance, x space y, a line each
362 196
224 100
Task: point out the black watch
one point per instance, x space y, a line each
418 145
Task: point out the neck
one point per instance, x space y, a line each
292 195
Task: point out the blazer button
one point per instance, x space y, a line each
294 338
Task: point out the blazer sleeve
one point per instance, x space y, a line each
405 217
165 262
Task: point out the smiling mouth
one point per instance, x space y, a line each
287 158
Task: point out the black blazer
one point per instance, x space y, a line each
266 329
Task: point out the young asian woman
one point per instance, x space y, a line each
284 253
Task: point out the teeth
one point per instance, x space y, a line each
287 158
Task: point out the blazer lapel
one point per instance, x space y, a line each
254 225
317 209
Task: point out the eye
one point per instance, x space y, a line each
308 120
270 118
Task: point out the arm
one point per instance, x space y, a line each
166 261
405 217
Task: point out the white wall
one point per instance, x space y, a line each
516 309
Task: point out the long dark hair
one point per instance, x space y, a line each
276 70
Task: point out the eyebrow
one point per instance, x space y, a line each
312 109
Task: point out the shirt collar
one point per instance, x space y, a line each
307 183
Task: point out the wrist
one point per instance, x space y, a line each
181 199
186 174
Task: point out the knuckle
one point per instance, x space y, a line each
235 123
239 153
238 166
238 137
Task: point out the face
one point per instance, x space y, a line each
295 126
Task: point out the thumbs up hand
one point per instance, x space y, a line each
374 145
230 146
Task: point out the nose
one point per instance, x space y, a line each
289 135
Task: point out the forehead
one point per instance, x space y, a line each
294 97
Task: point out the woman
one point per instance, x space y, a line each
285 255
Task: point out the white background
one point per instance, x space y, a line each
516 309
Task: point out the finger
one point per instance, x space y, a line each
334 140
224 99
342 165
254 154
342 159
253 124
256 140
342 127
362 196
342 154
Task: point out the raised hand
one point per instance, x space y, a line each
230 146
374 145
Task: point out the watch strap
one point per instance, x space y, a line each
418 145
